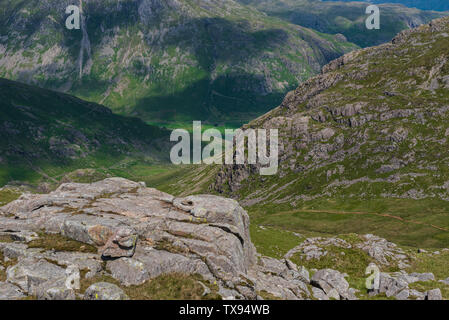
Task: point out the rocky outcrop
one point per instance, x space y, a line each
96 241
29 273
354 128
333 284
140 233
383 252
397 285
8 291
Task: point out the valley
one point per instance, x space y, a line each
163 61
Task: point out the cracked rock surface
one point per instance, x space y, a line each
140 233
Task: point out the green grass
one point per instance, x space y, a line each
267 296
60 243
414 230
6 238
165 287
428 262
204 125
85 176
173 287
352 261
5 265
273 242
7 195
424 286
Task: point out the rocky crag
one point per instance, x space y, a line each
117 235
372 125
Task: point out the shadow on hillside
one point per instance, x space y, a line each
233 97
224 41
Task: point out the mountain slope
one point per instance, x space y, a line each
160 60
347 18
46 131
366 138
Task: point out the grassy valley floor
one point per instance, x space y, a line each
415 223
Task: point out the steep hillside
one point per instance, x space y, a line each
364 144
45 132
347 18
160 60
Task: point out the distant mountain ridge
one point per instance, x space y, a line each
437 5
163 60
347 18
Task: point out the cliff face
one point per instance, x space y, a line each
372 125
163 60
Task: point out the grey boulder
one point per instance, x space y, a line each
434 294
391 286
333 283
8 291
104 291
29 273
55 289
423 276
319 294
